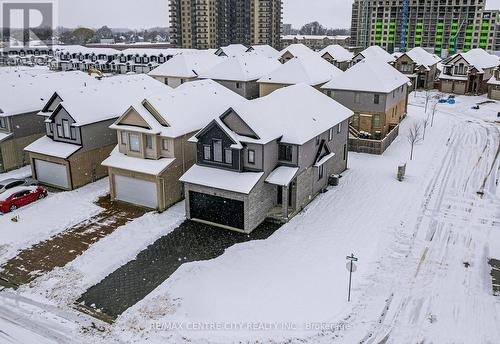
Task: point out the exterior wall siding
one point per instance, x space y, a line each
12 154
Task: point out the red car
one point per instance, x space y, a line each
20 196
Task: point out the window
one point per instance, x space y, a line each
217 150
356 97
317 140
3 123
339 128
182 81
48 127
328 93
376 99
149 142
321 171
66 133
207 152
285 153
355 119
166 81
251 156
123 138
228 156
376 121
330 134
165 144
59 131
73 133
238 85
134 143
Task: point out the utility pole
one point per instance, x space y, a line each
352 268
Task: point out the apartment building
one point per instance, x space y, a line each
204 24
448 26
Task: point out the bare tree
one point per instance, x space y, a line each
425 123
414 136
434 107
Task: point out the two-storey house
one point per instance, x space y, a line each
419 66
78 137
22 95
268 157
185 67
337 55
152 151
468 73
240 73
309 69
378 95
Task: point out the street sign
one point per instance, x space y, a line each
351 266
352 258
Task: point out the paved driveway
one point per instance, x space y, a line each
191 241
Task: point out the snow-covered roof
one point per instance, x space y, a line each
231 50
376 52
46 146
282 175
265 50
29 93
187 108
339 53
109 98
369 75
309 69
493 81
4 136
187 65
313 37
297 50
452 77
146 166
479 58
241 182
422 57
243 67
296 114
324 159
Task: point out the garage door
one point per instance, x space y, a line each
216 209
51 173
136 191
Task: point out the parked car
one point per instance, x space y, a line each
20 196
14 182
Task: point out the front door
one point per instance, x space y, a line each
279 200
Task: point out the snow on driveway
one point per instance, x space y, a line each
40 220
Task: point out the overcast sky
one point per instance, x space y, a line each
150 13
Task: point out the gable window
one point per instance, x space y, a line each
228 156
134 143
330 134
3 123
59 131
217 150
285 152
48 127
66 133
376 121
73 133
238 85
376 99
149 142
317 140
207 152
321 171
123 138
165 144
339 128
251 156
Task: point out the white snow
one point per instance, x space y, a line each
282 175
421 57
7 193
375 52
4 136
324 159
480 59
147 166
383 78
188 65
231 50
265 50
310 69
241 182
45 145
242 67
297 50
337 52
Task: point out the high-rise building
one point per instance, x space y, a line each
446 26
206 24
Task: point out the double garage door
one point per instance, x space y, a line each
218 210
136 191
51 173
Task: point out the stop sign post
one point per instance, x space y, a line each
352 268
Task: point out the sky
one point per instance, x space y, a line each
151 13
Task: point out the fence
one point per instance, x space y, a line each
373 146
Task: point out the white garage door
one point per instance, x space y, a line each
136 191
51 173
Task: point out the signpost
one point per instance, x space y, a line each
351 267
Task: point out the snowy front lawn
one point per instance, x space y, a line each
40 220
